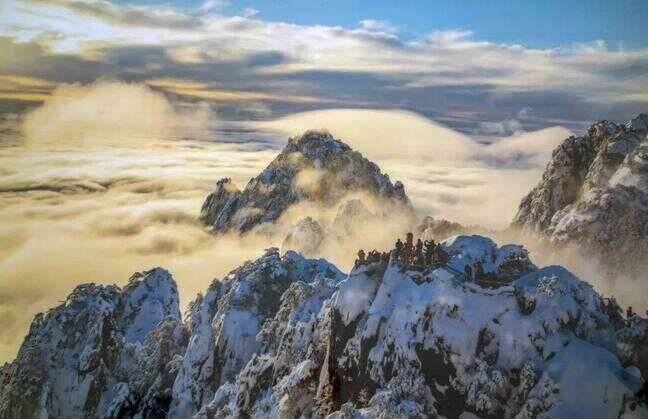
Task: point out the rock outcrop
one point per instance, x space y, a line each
305 237
290 337
105 352
439 229
226 322
391 342
594 194
314 168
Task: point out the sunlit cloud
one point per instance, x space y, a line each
240 58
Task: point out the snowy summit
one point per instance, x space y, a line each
461 328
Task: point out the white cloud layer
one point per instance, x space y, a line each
98 210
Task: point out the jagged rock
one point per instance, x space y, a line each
220 205
289 337
594 193
314 167
351 217
438 229
388 342
304 237
105 352
226 321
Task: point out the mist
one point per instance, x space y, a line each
93 193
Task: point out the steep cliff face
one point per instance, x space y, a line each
393 341
105 352
226 321
314 168
290 337
594 193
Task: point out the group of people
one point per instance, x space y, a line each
419 255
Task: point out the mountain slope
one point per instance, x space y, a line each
226 321
594 193
105 352
313 168
287 337
392 341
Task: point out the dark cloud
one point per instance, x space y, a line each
268 58
32 59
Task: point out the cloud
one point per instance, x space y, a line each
380 26
249 12
129 15
505 127
108 111
378 134
441 74
213 5
446 173
100 212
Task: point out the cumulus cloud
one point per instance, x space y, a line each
380 26
249 12
109 111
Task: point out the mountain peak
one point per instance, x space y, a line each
315 168
316 143
594 193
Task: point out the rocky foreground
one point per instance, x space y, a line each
290 337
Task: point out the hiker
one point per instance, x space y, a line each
468 272
428 252
479 271
361 258
399 249
418 252
407 254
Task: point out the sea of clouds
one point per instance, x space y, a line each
107 179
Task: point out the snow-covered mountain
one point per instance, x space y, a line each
290 337
594 193
105 352
314 168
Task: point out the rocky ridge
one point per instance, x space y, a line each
105 352
285 336
594 194
314 168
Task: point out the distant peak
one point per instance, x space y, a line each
316 143
639 122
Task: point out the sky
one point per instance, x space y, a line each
117 119
462 63
531 23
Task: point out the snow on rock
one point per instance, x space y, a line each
220 205
290 337
103 352
594 193
315 168
226 322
